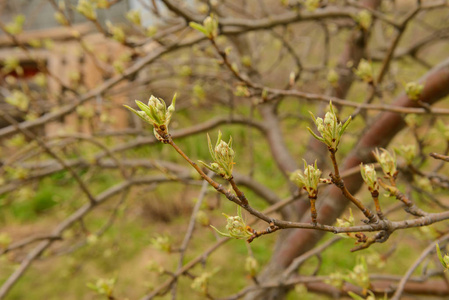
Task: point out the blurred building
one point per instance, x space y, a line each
46 44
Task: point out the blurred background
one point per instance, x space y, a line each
92 206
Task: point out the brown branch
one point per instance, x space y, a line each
28 241
411 208
440 156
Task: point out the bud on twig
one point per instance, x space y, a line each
332 77
369 176
162 242
386 161
134 17
236 227
103 286
251 266
223 157
413 90
330 128
209 27
444 260
157 114
365 71
364 19
201 283
308 180
117 32
87 9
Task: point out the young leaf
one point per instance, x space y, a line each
198 27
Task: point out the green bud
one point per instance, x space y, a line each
346 221
185 71
5 240
103 286
354 296
202 8
199 94
19 100
312 5
85 111
332 77
87 9
117 32
307 179
251 266
364 19
246 61
413 120
161 242
48 44
16 173
264 94
365 70
222 155
151 31
202 218
12 64
330 128
60 18
17 140
35 43
40 79
200 283
369 176
386 161
242 91
443 260
156 113
446 259
134 17
16 26
413 90
209 27
235 226
103 4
